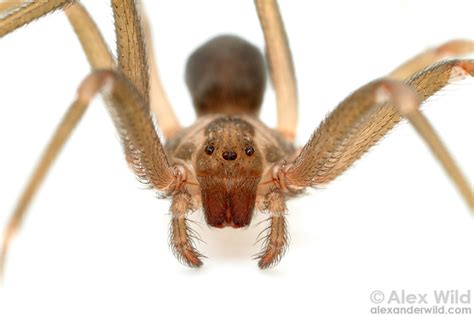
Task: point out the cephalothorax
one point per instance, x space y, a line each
228 163
228 155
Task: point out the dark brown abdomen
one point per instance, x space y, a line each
226 75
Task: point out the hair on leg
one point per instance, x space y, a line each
275 240
182 237
16 17
364 118
142 147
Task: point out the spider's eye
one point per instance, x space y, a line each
209 149
249 150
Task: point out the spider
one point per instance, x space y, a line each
228 163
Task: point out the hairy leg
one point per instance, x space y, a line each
408 105
91 40
281 66
449 49
276 239
365 117
131 51
142 146
181 235
129 107
100 58
16 17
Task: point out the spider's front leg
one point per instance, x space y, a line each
275 240
125 86
365 117
141 144
181 235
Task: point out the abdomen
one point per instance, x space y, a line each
226 75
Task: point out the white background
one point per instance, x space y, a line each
96 243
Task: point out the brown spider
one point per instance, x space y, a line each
228 163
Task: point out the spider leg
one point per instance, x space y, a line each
126 95
131 51
86 30
281 66
13 16
100 58
130 42
276 238
367 115
142 146
159 103
91 39
8 6
181 235
449 49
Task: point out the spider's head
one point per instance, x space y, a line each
229 168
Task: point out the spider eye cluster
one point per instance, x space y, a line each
249 151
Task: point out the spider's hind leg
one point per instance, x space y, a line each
431 56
